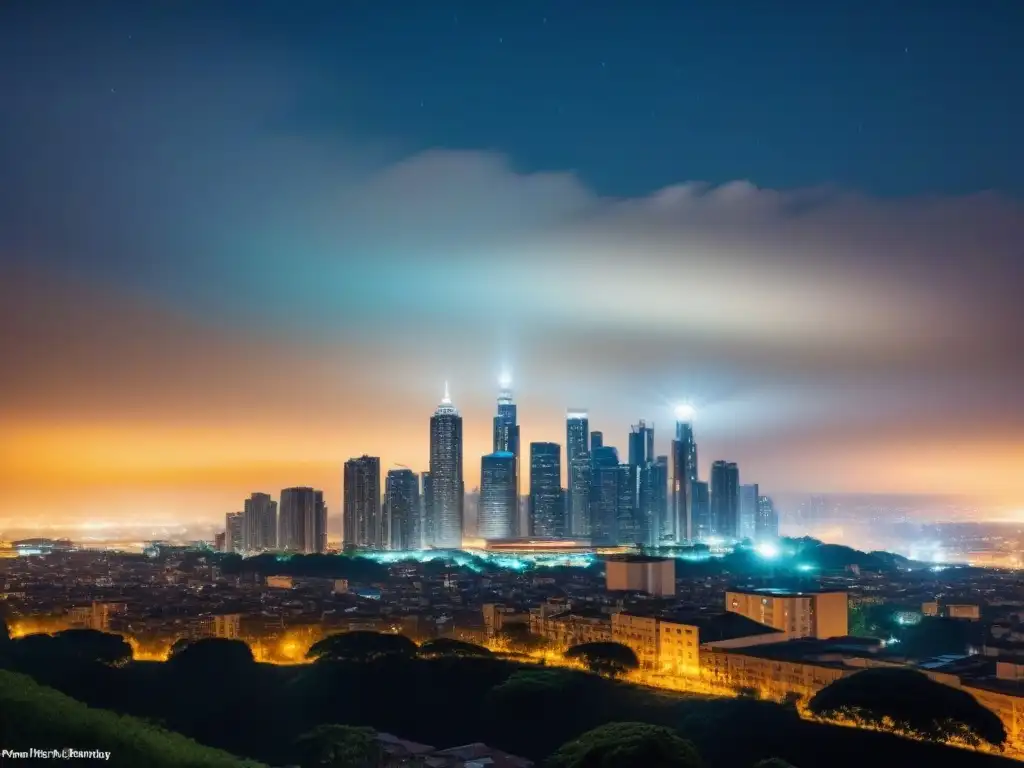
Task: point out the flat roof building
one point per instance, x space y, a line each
813 613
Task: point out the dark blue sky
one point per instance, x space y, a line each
252 234
899 98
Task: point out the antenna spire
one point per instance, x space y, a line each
447 397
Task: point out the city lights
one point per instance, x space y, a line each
768 550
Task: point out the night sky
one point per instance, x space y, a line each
241 242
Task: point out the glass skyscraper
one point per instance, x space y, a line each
684 473
547 511
497 508
402 502
604 497
302 524
447 489
362 525
506 440
259 529
749 495
577 470
725 499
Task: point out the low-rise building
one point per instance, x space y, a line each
819 614
641 573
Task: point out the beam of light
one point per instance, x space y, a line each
505 380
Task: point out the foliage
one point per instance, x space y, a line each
623 745
339 746
34 716
74 645
520 640
913 702
362 646
604 658
211 655
355 568
447 646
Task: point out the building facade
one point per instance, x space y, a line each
447 488
813 613
497 509
362 524
725 499
506 440
259 530
684 474
300 528
749 496
402 501
547 511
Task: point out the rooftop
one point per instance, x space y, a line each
782 592
637 559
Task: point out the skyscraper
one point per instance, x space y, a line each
447 487
498 502
319 524
506 440
700 496
604 497
577 444
234 528
259 531
547 512
641 444
749 495
630 523
361 517
684 472
402 500
298 525
596 441
653 500
725 499
581 474
427 519
767 526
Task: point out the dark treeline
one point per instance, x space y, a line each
444 697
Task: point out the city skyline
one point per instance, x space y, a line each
210 295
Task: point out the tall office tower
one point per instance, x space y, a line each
547 511
577 443
426 511
653 499
641 444
259 531
725 499
498 500
402 500
297 528
604 497
767 526
596 441
361 518
631 524
447 486
684 472
641 454
506 440
700 495
319 524
581 473
234 528
660 496
748 511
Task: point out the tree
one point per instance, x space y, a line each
912 702
624 745
520 640
604 658
362 646
447 646
339 746
87 645
211 655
